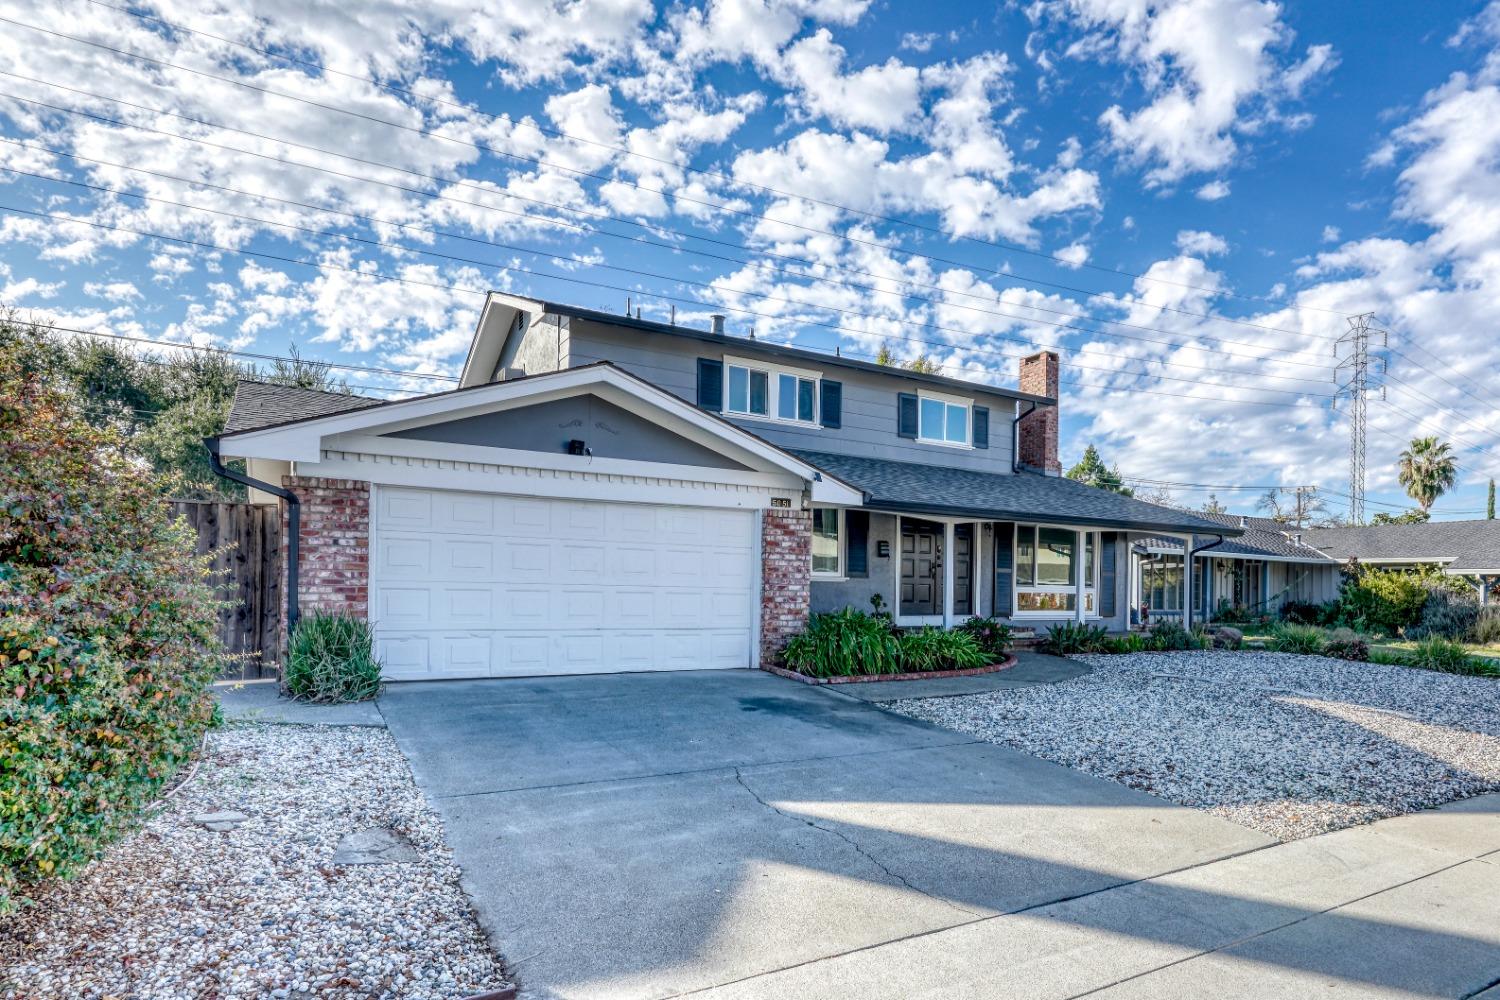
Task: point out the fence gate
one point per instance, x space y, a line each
245 540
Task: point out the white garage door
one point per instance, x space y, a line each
480 585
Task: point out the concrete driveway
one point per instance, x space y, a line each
735 834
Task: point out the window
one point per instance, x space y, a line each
1046 563
827 544
772 393
943 419
1161 581
748 391
795 397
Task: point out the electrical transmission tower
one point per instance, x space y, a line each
1352 377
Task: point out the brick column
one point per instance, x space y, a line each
785 578
334 561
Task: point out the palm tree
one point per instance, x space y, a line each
1428 470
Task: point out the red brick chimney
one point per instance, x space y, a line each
1038 447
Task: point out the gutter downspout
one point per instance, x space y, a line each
1015 438
1192 552
293 521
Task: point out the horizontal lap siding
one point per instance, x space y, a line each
869 403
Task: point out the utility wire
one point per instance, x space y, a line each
1260 347
650 274
551 164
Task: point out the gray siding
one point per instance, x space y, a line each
542 346
833 595
608 430
1302 582
869 411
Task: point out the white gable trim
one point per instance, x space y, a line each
305 441
496 321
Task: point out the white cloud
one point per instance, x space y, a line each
113 291
1201 243
1075 255
1213 191
882 98
1330 234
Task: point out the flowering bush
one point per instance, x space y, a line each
108 642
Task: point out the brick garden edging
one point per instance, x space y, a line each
993 668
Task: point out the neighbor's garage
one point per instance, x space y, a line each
484 585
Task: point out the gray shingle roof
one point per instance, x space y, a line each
935 489
260 404
1470 546
1263 538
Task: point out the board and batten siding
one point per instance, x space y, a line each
869 398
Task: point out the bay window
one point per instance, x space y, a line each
827 542
943 419
1046 568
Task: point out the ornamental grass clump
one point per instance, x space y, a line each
108 635
843 644
331 659
1304 640
925 649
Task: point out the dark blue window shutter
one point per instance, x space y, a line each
1005 568
857 548
906 414
1107 574
711 384
832 396
981 426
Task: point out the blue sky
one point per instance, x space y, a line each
1184 198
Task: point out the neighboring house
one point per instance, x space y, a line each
1459 548
1268 565
605 493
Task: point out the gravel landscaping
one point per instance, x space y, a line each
1289 745
257 906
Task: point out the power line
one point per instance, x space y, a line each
662 192
600 215
660 277
1192 336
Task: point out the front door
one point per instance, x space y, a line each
921 568
963 569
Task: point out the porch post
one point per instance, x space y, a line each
1187 582
1080 537
948 574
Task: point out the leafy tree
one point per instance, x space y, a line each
1427 469
1091 471
1213 506
884 356
1306 508
1417 516
1490 507
923 364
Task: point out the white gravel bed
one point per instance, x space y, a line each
176 911
1289 745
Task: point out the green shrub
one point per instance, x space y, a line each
1132 642
1448 657
108 635
1304 640
1072 637
931 648
1385 601
843 644
331 658
1487 626
1390 658
993 635
1345 644
1168 634
1446 615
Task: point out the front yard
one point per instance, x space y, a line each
263 909
1289 745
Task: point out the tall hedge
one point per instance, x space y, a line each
107 634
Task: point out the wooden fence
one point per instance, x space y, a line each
245 540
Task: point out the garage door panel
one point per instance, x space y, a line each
473 585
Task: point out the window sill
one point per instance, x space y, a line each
762 418
829 578
944 444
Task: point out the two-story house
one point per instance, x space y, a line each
606 493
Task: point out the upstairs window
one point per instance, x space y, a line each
749 391
943 420
775 393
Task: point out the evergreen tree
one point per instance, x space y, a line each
1213 506
1092 471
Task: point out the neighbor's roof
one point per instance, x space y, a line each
1263 538
1027 496
1461 546
260 404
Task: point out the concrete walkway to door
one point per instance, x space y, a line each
734 834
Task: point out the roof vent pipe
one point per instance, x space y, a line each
716 322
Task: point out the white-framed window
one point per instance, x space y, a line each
756 389
1045 564
1161 581
944 419
828 542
